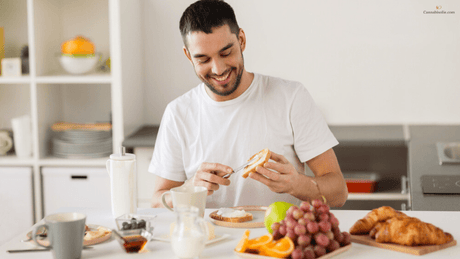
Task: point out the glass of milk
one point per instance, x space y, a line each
189 234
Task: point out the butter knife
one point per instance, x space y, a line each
239 168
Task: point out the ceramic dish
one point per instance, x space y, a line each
45 241
326 256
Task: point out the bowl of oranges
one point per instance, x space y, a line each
78 55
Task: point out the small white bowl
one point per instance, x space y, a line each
78 65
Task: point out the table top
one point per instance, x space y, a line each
446 220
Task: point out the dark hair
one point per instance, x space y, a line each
204 15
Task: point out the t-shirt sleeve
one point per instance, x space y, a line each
312 135
167 159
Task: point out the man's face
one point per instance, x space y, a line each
217 59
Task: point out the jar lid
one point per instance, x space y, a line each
126 156
122 155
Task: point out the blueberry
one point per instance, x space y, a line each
141 224
124 226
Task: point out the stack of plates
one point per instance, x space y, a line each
81 144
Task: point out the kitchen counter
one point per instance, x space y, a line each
370 135
448 221
145 136
423 160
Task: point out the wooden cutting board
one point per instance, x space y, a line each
258 213
415 250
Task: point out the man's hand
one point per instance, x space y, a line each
210 175
281 181
328 181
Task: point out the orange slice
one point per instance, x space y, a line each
256 243
280 249
243 244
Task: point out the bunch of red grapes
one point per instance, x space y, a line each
313 229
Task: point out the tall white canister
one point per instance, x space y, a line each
123 182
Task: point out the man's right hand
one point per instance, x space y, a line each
210 175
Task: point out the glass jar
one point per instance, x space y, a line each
190 233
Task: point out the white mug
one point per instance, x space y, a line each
65 234
187 195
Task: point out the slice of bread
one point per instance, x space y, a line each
99 235
246 217
262 157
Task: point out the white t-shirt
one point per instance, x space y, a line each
272 113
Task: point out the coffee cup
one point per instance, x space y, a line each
187 195
65 234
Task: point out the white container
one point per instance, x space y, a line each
82 187
123 183
79 65
22 136
16 201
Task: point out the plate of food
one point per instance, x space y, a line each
326 256
239 217
94 234
387 228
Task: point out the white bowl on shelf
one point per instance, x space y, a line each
78 64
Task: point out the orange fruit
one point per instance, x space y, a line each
243 244
78 46
256 243
280 249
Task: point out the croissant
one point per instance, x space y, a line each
364 225
410 232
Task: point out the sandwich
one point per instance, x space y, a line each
259 160
231 215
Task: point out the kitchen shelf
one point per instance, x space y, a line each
94 78
48 94
378 196
25 79
54 161
13 160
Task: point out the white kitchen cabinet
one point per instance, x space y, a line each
16 201
87 187
145 180
48 94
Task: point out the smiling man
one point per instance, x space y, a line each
234 114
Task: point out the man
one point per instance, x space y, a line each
234 114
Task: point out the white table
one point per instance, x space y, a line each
448 221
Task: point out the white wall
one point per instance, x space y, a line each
364 62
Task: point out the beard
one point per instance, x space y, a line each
231 88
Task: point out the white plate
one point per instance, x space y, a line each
212 241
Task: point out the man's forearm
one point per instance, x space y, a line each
156 200
331 185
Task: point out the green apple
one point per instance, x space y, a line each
275 213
